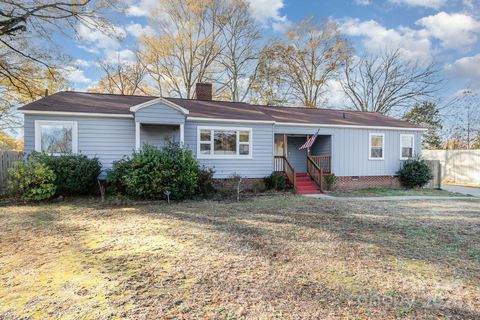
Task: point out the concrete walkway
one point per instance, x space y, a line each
393 198
463 190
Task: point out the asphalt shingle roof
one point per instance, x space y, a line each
69 101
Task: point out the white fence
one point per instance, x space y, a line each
458 166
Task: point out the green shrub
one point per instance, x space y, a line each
276 181
75 174
330 182
415 173
31 181
117 175
150 172
206 186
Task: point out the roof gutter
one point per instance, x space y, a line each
203 119
229 120
80 114
296 124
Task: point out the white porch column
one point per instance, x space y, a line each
137 136
182 134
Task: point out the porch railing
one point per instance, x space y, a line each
315 172
282 164
324 162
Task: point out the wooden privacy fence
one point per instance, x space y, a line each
458 166
7 160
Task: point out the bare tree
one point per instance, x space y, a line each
312 54
188 44
240 33
27 50
386 82
463 118
268 86
152 61
123 77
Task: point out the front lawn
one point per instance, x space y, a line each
389 192
274 257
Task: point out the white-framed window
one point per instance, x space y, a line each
407 146
224 143
376 146
56 137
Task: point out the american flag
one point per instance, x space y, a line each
310 142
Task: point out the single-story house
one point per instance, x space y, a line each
361 148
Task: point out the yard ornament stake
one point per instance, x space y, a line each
167 193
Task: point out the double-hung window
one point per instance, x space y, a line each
224 143
56 137
407 143
376 146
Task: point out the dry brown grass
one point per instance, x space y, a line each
278 257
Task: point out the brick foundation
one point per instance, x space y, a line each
354 183
247 184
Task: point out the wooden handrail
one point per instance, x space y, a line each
324 162
315 171
281 164
290 172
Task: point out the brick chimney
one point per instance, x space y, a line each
203 91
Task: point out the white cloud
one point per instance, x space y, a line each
264 10
142 8
434 4
123 56
466 68
336 96
362 2
455 31
82 63
137 30
268 11
76 75
100 39
413 44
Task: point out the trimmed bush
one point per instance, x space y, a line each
150 172
276 181
415 173
75 174
330 182
31 181
117 175
206 186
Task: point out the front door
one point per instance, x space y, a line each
298 158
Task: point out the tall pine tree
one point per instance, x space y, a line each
427 115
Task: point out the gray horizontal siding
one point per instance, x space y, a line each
109 139
322 146
350 152
350 149
112 138
259 166
159 135
159 113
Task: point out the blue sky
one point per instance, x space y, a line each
446 32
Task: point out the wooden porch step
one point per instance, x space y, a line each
305 185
